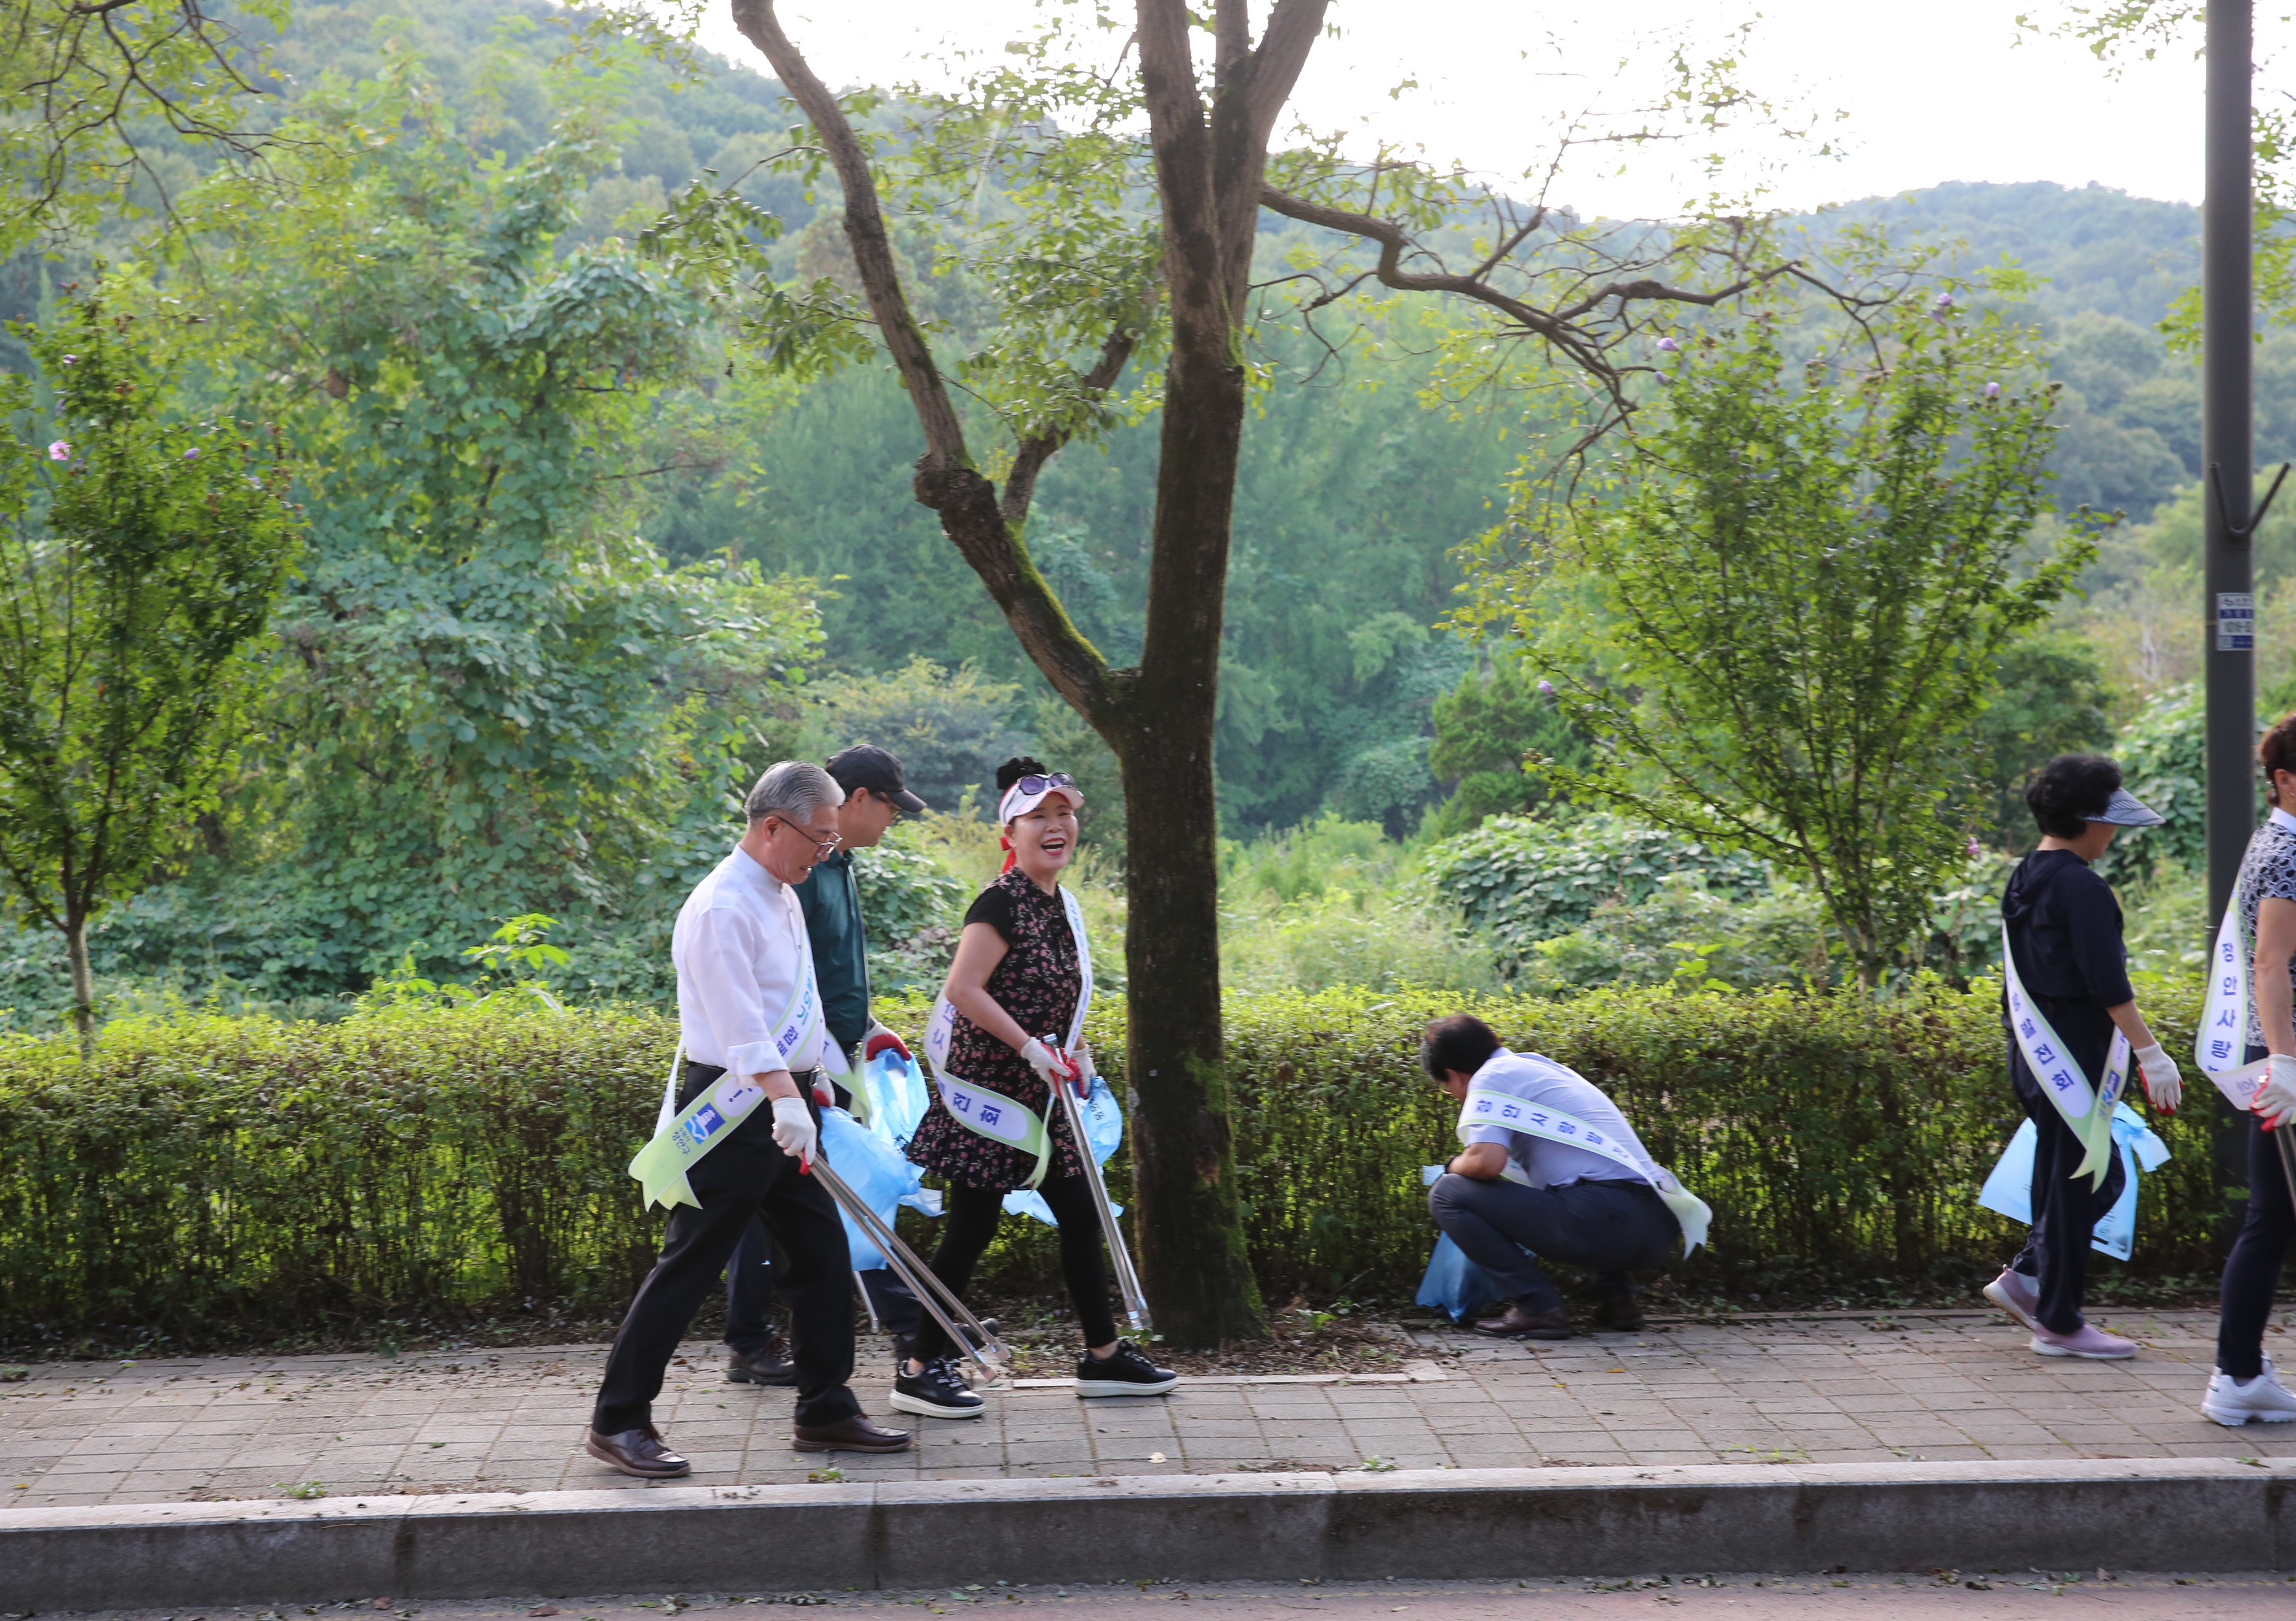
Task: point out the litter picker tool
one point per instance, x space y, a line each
985 1350
1127 1280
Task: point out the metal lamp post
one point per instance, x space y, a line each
2227 296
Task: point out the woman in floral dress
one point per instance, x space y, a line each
1014 986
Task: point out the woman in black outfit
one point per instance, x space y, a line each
1015 986
2063 927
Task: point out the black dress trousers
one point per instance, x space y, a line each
745 1176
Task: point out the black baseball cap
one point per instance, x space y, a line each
878 770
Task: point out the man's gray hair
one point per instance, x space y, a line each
794 790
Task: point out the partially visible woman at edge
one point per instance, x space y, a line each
1015 985
2063 932
2244 1385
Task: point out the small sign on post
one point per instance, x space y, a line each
2235 621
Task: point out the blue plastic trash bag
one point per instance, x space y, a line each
897 1097
1456 1284
872 1169
2009 1190
1104 1129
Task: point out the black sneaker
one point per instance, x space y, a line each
1126 1372
936 1393
1617 1314
768 1364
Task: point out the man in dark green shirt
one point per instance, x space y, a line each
874 799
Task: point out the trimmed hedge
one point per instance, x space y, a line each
207 1174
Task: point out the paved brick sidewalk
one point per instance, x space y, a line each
1912 1387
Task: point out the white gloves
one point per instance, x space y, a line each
1049 1062
2163 1085
2275 1100
794 1133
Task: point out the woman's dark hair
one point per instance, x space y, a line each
1019 766
1462 1042
2277 753
2070 792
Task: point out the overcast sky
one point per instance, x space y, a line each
1934 91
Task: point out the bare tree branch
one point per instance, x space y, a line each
947 481
1038 447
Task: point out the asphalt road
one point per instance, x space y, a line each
1976 1595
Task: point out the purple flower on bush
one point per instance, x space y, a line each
193 455
1944 301
1993 390
1546 689
1975 850
1664 381
71 360
59 450
1667 346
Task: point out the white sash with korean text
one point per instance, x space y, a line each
682 1137
1484 1106
2222 1040
2085 1110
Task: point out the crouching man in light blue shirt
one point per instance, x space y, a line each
1509 1190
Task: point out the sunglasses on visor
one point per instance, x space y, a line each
1032 786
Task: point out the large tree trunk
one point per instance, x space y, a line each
83 980
1183 1159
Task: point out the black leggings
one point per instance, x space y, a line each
2252 1272
970 1223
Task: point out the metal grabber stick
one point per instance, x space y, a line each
988 1352
1127 1280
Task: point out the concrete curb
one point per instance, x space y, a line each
2138 1514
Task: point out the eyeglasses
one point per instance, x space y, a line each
825 846
1032 785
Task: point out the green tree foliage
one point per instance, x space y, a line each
2163 761
2050 698
951 728
1811 573
96 99
496 700
1351 494
142 558
1487 728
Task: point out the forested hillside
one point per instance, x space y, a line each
735 565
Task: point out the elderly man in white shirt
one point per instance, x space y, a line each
747 1005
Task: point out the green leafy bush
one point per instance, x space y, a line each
1684 934
1522 881
911 909
2163 762
204 1174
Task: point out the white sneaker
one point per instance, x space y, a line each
2264 1398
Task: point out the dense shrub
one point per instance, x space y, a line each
208 1175
207 1171
1837 1139
1520 881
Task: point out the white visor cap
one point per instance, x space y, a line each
1032 790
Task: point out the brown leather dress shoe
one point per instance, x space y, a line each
1516 1323
637 1452
853 1435
768 1364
